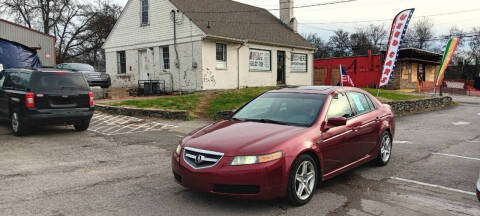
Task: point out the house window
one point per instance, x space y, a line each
298 62
144 12
121 62
165 58
260 60
221 56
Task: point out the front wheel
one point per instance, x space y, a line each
385 152
302 180
82 125
17 124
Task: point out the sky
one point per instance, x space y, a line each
324 19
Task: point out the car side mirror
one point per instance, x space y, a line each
335 122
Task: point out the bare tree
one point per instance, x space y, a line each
376 34
475 48
42 15
420 34
360 43
322 50
340 43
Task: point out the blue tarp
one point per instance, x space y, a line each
15 55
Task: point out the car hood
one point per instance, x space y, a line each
241 138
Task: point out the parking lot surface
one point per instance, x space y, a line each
121 166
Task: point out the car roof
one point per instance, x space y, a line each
316 89
45 70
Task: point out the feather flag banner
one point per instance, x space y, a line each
397 33
447 58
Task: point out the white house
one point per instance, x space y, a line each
207 44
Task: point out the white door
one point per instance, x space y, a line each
143 66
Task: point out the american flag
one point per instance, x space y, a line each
345 78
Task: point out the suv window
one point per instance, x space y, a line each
360 102
340 107
59 81
17 80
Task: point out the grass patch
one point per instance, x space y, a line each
233 99
180 102
392 95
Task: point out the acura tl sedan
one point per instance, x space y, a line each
286 142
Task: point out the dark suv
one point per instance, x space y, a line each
31 97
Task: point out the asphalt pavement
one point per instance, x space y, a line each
121 166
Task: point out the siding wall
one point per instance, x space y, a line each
214 78
30 38
128 35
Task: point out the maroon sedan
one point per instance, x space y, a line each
285 142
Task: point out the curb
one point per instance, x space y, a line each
399 107
166 114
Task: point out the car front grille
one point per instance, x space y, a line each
199 159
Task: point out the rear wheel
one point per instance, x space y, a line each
17 124
82 125
302 180
385 152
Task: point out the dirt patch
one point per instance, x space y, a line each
202 106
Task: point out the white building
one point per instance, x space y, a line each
207 44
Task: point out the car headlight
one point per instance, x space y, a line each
255 159
179 148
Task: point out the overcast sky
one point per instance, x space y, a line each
366 10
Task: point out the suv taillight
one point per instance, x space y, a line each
90 96
29 100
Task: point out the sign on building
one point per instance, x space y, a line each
298 62
260 60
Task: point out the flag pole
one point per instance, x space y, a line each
341 81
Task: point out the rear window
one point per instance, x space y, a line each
59 81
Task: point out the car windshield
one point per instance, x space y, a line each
59 81
76 67
283 108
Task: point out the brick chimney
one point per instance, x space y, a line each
286 14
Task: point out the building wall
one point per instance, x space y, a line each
130 36
27 37
187 77
229 78
364 70
406 73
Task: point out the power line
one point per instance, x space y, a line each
384 20
274 9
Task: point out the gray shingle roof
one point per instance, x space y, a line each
230 19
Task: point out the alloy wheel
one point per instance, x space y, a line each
305 180
15 122
386 149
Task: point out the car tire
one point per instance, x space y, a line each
302 180
478 195
17 125
385 149
82 125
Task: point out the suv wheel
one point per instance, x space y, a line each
17 125
385 151
82 125
302 180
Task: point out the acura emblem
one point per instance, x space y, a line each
199 159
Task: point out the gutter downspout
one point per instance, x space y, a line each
238 63
177 60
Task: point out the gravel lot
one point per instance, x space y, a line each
115 169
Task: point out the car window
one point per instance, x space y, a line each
360 102
287 108
17 80
370 102
340 107
59 81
